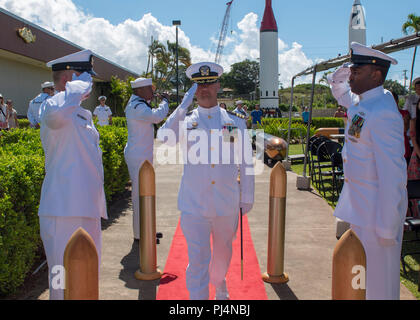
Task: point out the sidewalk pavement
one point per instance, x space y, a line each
310 241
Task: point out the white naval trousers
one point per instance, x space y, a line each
382 264
205 266
55 233
133 170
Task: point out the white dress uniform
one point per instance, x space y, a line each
374 196
72 194
210 196
242 112
34 107
140 119
410 105
103 113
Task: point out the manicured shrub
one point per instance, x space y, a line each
21 176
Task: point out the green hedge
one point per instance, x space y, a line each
22 173
279 126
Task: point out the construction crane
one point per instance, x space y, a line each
223 32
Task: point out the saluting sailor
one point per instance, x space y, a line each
141 118
210 197
35 103
72 194
374 197
103 113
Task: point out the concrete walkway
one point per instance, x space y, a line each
310 241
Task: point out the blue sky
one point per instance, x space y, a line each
319 29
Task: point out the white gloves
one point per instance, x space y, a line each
189 96
341 75
246 207
386 242
80 87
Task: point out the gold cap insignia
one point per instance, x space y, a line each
204 71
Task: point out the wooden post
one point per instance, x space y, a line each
81 267
349 268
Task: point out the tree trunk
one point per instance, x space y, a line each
412 65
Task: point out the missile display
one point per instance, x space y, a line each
357 27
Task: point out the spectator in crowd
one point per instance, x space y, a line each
103 113
222 105
414 165
341 113
406 117
34 105
3 117
11 114
411 101
256 116
305 115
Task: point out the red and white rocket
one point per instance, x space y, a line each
269 59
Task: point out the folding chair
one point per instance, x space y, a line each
411 223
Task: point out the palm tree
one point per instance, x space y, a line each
412 25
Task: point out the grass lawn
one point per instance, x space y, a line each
411 278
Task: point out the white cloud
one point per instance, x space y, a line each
126 43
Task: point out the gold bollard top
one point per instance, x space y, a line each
81 266
278 181
79 246
350 243
348 254
147 180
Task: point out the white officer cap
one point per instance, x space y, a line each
101 97
361 55
81 61
1 96
239 102
416 81
47 84
204 72
141 82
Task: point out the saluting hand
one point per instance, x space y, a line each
162 96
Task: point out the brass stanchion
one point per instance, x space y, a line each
147 200
349 268
81 267
276 226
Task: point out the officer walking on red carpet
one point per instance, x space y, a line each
374 196
210 197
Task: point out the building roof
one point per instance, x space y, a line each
46 46
269 21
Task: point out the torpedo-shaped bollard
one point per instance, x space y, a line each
276 226
81 267
147 200
349 268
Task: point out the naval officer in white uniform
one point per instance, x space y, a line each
103 113
141 118
35 103
210 197
72 194
374 197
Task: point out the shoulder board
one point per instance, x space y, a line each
189 113
236 114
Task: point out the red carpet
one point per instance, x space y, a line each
173 287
